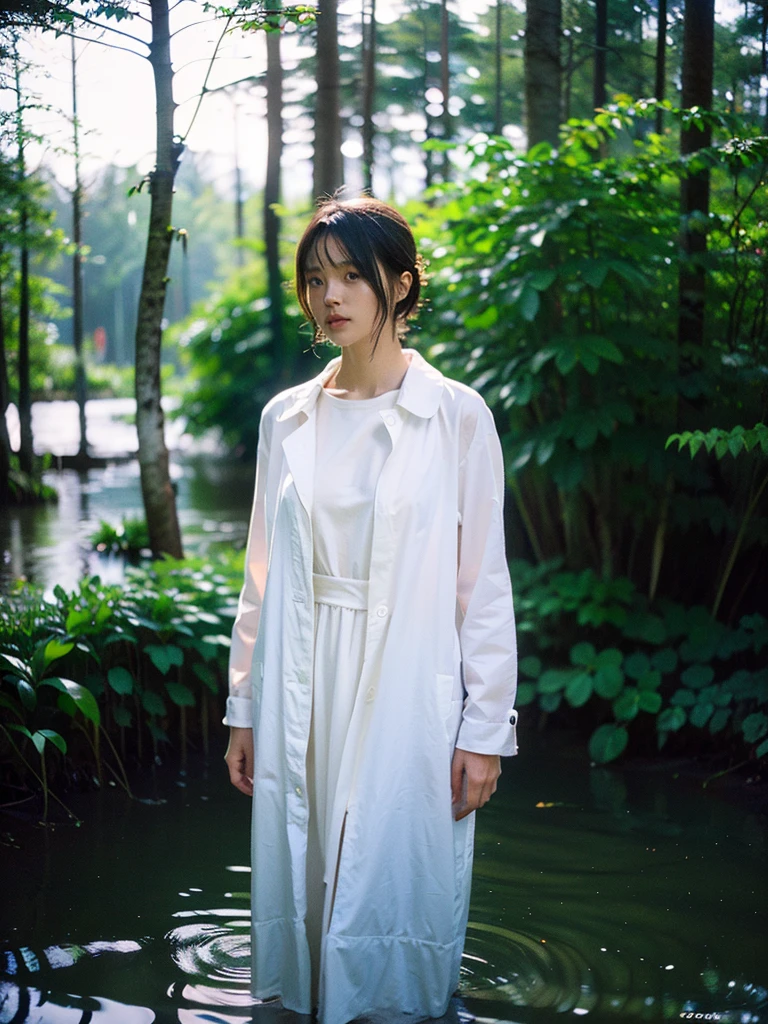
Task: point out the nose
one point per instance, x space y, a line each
331 297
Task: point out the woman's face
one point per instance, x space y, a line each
343 304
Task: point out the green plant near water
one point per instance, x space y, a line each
129 537
127 665
650 671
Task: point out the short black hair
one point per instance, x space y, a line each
370 234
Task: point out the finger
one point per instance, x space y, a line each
457 777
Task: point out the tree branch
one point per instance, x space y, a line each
204 90
109 28
110 46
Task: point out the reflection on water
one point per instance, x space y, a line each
49 544
604 894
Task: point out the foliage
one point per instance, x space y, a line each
554 292
129 537
232 366
25 489
723 442
119 664
636 669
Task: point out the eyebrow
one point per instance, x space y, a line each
315 267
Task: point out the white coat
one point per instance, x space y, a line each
439 670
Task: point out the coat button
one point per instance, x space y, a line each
298 790
381 611
370 694
389 420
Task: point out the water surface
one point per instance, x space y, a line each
607 894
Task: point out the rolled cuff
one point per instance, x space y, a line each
239 713
489 737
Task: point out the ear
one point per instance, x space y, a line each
403 285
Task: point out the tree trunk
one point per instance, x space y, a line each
239 210
328 163
498 116
661 63
601 41
445 82
77 271
428 155
369 91
25 397
698 56
542 70
272 196
156 489
5 441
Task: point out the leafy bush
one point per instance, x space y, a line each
554 291
123 664
660 670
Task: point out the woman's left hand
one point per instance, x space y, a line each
475 773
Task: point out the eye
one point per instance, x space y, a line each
353 275
315 282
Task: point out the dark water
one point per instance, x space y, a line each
613 895
50 544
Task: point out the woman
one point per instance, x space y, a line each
373 660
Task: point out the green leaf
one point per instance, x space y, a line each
754 726
762 750
649 681
582 654
671 719
665 660
163 658
526 694
701 713
553 680
55 649
579 689
627 704
609 680
122 716
636 665
550 702
683 698
607 743
19 667
529 303
120 679
181 695
540 280
697 676
206 674
76 620
153 703
594 273
83 698
530 666
719 720
649 701
54 738
27 695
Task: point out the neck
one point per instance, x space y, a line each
360 376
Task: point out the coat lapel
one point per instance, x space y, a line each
299 451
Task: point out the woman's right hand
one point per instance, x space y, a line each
239 758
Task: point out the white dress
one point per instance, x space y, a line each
352 444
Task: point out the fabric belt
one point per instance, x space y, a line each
338 590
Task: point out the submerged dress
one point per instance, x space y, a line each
352 444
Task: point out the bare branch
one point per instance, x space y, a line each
110 46
207 77
192 24
109 28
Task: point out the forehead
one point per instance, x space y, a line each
327 251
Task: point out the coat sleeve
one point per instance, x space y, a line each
485 613
246 625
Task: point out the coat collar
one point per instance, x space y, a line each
420 392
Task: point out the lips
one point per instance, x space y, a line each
336 321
